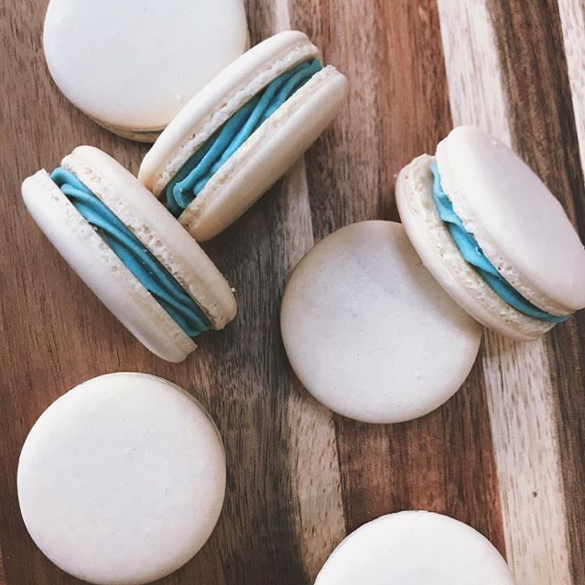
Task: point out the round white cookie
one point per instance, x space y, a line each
133 65
415 548
368 330
270 150
518 224
106 274
122 480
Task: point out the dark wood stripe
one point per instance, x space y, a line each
530 42
398 108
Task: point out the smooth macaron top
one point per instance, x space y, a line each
122 480
520 226
415 548
368 330
218 100
135 64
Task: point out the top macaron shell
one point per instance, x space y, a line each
369 332
521 227
122 479
271 149
133 65
415 548
104 272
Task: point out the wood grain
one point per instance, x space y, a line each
299 477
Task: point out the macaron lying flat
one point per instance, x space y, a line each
415 548
369 332
130 251
493 235
133 65
122 480
242 132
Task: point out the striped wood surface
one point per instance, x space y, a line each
506 454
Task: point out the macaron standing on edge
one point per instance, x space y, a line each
369 332
415 548
493 235
121 481
130 251
242 132
132 65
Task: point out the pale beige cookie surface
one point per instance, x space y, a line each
122 480
415 548
368 330
132 65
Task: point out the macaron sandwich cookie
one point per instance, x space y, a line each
130 251
493 235
132 65
415 548
122 479
241 132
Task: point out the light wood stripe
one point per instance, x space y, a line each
521 398
313 456
572 14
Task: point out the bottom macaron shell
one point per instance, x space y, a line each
369 332
121 481
435 245
146 135
415 548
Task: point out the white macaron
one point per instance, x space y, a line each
133 65
368 330
415 548
121 481
242 132
130 251
493 235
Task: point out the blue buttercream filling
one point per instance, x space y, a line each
206 161
155 278
472 253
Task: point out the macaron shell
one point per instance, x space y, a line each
133 65
157 229
520 226
147 136
415 548
218 101
434 244
102 271
368 330
266 155
122 480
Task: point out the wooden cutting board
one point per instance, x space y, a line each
506 454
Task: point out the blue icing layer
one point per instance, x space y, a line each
472 253
135 256
196 172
